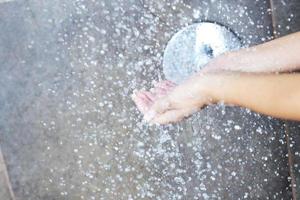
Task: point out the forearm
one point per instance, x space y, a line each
275 56
274 95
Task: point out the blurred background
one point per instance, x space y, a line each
69 130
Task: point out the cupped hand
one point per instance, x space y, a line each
144 100
173 103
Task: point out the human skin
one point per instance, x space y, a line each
280 55
270 94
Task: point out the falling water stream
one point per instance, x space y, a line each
69 129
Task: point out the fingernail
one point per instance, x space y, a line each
149 115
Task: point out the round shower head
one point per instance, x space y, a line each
194 46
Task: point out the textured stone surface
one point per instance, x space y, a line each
251 20
4 1
286 16
293 130
70 131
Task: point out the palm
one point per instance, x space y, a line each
144 100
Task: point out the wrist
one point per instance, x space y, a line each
219 63
208 85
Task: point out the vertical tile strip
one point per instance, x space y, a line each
272 7
286 125
290 160
6 176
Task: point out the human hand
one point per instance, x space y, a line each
175 104
144 100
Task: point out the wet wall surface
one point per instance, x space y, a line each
286 21
68 129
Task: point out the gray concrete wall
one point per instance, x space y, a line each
4 1
69 130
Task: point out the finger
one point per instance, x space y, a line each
143 95
162 105
173 116
149 95
170 83
158 92
163 88
143 104
159 107
167 85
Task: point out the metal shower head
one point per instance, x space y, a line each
190 49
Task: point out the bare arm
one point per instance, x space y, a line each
278 55
274 95
277 95
271 94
